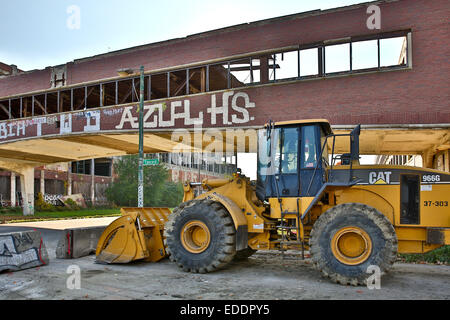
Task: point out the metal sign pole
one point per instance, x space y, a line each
141 142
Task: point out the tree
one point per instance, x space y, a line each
158 191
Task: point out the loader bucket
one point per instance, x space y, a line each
137 234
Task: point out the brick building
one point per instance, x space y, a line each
317 64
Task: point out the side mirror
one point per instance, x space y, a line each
269 129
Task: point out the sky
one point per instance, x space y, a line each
41 33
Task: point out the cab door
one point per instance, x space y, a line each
287 176
278 163
311 167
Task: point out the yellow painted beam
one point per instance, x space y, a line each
425 142
31 157
58 148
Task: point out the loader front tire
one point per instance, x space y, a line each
349 238
200 236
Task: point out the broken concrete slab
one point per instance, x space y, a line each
78 242
22 250
76 198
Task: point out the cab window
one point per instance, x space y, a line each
309 145
289 150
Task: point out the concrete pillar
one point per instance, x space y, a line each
427 159
27 190
13 189
42 182
26 172
447 161
92 181
69 179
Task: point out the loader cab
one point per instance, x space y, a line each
290 160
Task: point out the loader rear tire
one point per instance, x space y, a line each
350 237
200 236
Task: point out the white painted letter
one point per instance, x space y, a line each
223 109
187 120
65 127
149 111
372 177
128 117
92 127
3 132
243 110
20 126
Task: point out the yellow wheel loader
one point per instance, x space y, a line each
348 216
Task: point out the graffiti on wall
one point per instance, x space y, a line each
21 250
54 199
229 108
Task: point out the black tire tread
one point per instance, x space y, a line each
320 261
227 248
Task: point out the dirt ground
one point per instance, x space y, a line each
264 276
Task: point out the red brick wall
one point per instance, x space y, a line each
427 19
415 96
25 82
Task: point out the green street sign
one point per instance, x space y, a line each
151 162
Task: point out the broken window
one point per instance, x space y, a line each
40 102
78 101
5 109
52 102
240 74
393 51
26 107
286 65
255 71
135 85
218 76
159 86
312 60
364 54
64 101
178 83
92 96
15 108
337 58
271 66
125 91
81 167
109 94
147 88
262 68
309 62
197 80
